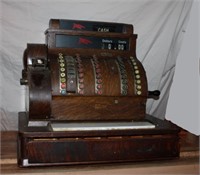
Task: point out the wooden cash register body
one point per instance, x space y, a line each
87 76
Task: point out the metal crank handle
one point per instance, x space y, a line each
154 94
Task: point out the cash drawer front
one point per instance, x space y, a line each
98 149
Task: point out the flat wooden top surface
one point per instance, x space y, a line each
188 163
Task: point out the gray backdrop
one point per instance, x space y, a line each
160 25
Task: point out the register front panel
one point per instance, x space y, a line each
86 74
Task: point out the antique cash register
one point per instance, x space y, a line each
86 99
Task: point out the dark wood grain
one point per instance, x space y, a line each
40 146
98 108
112 74
94 77
188 163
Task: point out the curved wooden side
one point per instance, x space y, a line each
39 82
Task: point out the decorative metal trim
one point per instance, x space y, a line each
97 75
123 76
137 76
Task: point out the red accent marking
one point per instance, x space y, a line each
99 92
99 86
99 81
78 26
84 41
63 85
